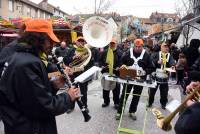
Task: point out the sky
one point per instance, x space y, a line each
139 8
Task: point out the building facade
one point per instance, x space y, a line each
26 8
157 17
55 10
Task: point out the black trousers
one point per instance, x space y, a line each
180 76
135 99
84 88
116 92
163 93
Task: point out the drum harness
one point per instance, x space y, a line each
135 64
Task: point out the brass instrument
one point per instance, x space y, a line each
165 122
97 32
78 64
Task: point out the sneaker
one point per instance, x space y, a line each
117 116
116 106
133 116
105 104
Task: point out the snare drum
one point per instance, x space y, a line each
161 76
106 84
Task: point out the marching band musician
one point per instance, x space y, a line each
137 58
27 102
109 62
77 53
163 60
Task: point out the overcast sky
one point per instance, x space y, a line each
139 8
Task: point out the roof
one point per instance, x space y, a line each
146 21
168 15
157 28
57 8
28 2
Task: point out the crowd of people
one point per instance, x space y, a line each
28 96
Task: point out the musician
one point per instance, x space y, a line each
27 104
188 121
136 58
161 60
78 51
109 62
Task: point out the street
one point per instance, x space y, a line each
103 119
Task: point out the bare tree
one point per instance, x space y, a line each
103 6
183 7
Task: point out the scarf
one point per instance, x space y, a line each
80 50
110 60
164 60
43 57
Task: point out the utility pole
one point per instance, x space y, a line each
95 6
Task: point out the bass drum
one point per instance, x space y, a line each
106 84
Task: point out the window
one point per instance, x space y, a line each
41 14
28 11
22 9
10 5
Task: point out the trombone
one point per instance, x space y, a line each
165 122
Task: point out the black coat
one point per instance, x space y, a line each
117 56
27 103
189 121
155 59
6 52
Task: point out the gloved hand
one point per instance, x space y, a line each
104 69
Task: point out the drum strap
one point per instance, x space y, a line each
135 64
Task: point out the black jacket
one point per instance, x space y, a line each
6 52
61 52
117 56
155 59
27 103
189 121
196 65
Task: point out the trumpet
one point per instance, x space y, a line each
165 122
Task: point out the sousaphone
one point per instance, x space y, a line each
97 31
